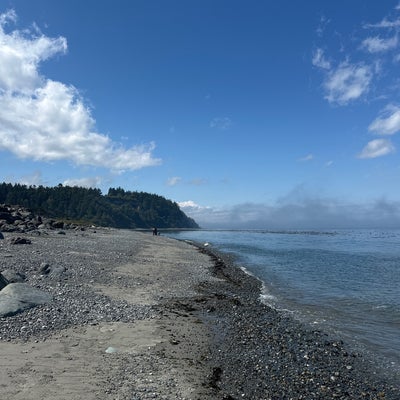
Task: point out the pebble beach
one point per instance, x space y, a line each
136 316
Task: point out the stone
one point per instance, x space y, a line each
19 240
1 236
13 276
3 282
17 297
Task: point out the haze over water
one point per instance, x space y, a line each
342 281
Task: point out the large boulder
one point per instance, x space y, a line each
17 297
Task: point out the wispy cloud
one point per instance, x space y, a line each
388 123
385 23
347 82
198 181
221 123
306 158
376 44
377 148
319 60
89 182
46 120
175 180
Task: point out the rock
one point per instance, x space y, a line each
19 240
44 268
54 272
6 216
17 297
3 282
1 236
13 276
111 350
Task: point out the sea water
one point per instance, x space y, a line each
346 282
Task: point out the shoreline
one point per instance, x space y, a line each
282 357
179 321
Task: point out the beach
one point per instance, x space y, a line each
136 316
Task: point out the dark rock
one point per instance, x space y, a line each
17 297
19 240
13 276
6 216
57 224
3 282
1 236
44 268
54 272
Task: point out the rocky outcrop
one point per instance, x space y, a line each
17 297
19 219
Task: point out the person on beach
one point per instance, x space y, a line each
155 233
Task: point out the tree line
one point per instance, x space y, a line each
118 208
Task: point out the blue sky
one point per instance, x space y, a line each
257 114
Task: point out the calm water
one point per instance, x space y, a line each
345 281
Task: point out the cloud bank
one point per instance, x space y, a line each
46 120
291 214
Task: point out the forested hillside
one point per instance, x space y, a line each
119 208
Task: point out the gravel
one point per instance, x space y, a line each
75 302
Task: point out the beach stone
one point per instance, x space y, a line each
111 350
13 276
1 236
19 240
17 297
3 282
53 271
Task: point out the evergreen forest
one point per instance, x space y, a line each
118 209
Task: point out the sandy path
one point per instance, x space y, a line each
163 357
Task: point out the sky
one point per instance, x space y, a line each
249 114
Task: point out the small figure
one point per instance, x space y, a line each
155 233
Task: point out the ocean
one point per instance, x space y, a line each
344 282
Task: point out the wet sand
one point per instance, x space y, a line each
137 316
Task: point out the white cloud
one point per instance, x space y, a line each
222 124
89 182
190 204
377 45
388 123
347 82
308 157
385 24
173 181
46 120
319 60
377 148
